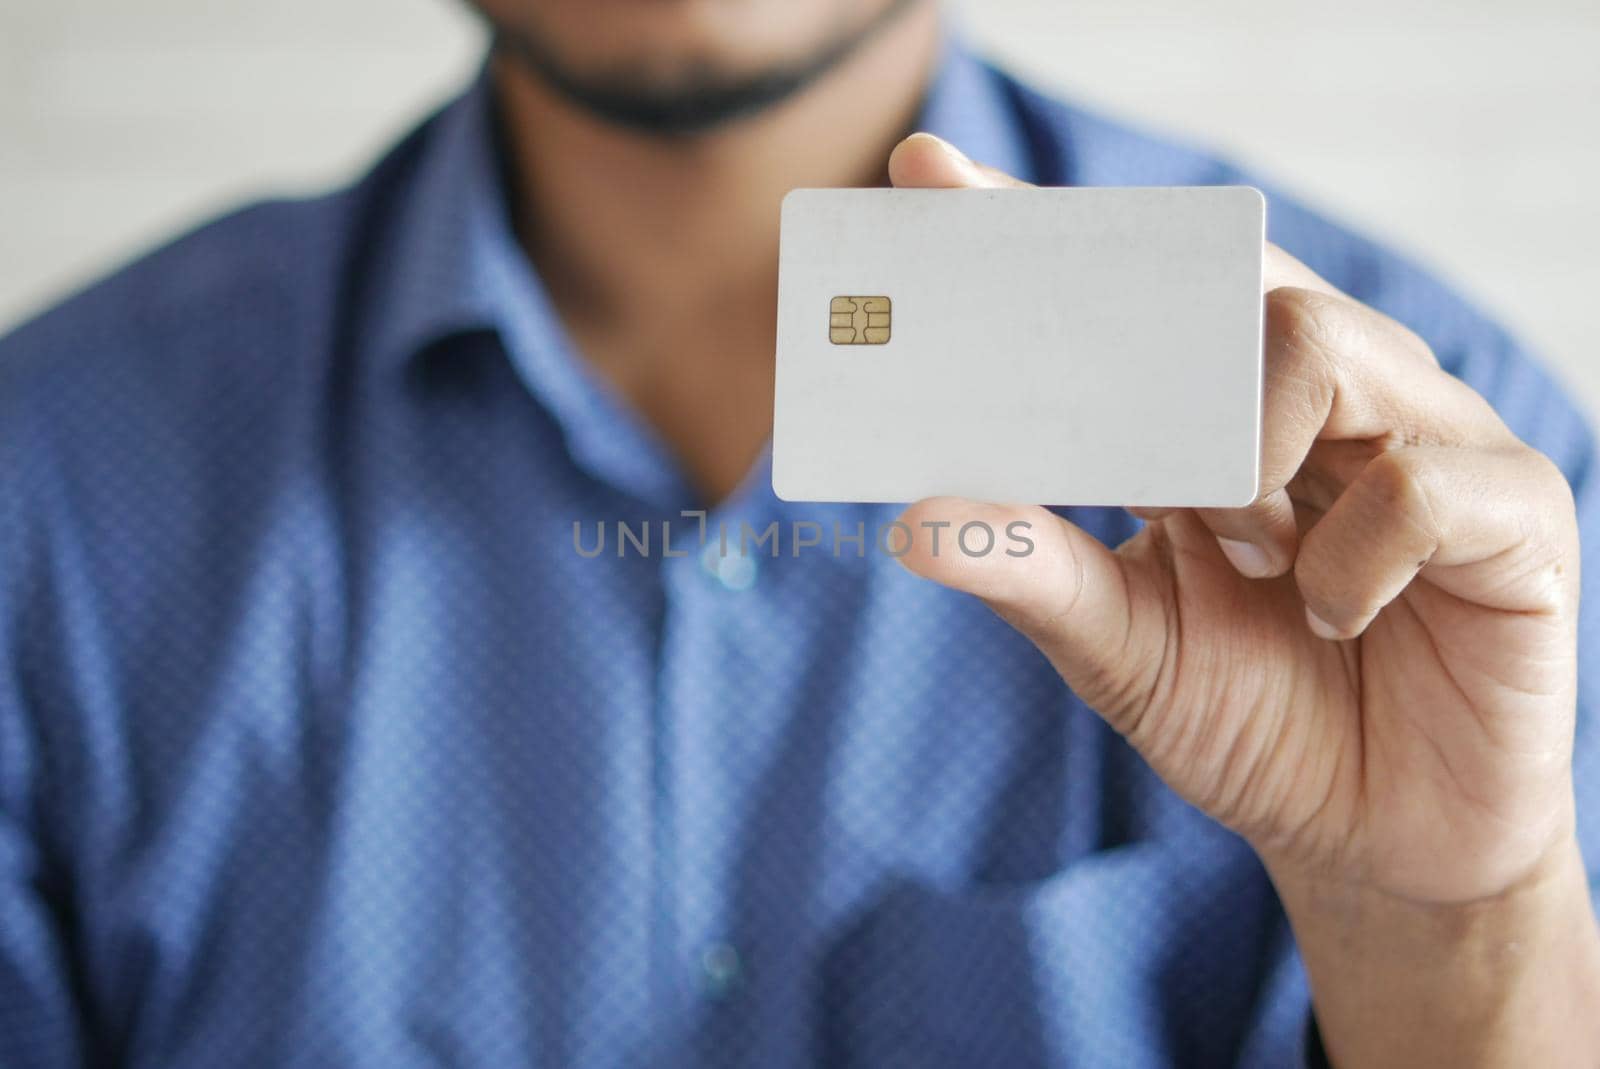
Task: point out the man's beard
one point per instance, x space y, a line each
703 97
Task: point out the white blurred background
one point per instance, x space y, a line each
1465 132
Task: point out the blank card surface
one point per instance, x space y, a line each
1095 346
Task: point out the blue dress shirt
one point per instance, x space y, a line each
322 743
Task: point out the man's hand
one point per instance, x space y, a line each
1370 674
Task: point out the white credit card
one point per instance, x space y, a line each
1082 346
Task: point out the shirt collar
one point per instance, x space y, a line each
439 268
453 264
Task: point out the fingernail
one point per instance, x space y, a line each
955 155
953 152
1248 558
1320 627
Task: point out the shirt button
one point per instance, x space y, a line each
735 571
720 970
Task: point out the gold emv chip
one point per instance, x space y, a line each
858 320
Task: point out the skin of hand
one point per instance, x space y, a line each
1369 674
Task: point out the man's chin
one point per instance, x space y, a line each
695 100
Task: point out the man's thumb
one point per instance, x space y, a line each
1056 584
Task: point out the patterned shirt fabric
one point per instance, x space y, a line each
327 740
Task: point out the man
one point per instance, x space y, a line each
321 746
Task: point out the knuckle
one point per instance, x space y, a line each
1300 315
1472 420
1403 340
1394 483
1414 343
1556 509
1551 481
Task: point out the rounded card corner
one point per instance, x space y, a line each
780 487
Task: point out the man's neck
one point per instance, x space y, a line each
661 252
